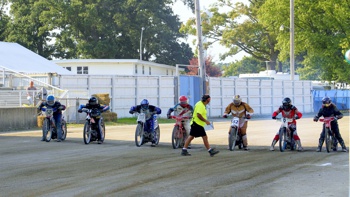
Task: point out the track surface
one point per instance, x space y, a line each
29 167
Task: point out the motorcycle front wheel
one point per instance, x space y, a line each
47 130
328 139
103 132
282 140
158 134
139 135
232 139
64 130
176 139
87 133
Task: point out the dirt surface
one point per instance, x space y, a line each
30 167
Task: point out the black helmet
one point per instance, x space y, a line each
326 101
144 104
93 101
287 103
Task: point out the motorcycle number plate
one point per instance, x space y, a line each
141 117
234 121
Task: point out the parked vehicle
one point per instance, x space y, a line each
49 126
179 135
142 133
94 119
286 140
330 139
235 136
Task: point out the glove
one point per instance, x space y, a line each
338 117
274 117
60 107
224 116
131 112
297 117
315 119
80 110
248 116
168 116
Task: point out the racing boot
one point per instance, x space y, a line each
319 147
245 142
300 148
343 147
272 148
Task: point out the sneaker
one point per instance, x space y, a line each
318 149
272 148
185 153
213 152
99 141
153 144
344 149
300 149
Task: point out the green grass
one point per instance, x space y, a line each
122 121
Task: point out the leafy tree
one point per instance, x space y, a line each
211 69
4 19
246 65
322 30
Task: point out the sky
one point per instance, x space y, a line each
216 49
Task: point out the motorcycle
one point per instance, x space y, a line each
330 139
49 126
286 140
235 136
143 135
94 119
179 135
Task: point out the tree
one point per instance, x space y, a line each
210 68
250 35
322 30
246 65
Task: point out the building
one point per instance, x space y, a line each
133 67
268 74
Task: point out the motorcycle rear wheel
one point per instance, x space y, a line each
47 130
87 133
232 139
328 140
282 139
139 135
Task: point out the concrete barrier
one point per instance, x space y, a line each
18 118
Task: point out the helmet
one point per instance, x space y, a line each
287 103
237 100
144 104
326 101
183 100
93 101
50 100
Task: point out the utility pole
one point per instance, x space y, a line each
201 64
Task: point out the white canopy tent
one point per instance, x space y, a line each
17 58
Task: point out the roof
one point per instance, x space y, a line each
20 59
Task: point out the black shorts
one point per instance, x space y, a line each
197 130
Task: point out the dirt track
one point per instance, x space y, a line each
119 168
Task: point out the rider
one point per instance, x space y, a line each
288 111
183 109
239 109
328 109
149 111
93 104
57 115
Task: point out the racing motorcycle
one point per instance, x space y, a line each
49 126
235 136
330 139
94 119
286 140
179 135
144 134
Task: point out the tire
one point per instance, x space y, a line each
328 140
87 133
176 139
282 140
103 131
47 131
158 134
64 130
232 139
139 135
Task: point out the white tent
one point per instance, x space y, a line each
20 59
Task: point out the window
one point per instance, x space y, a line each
82 70
135 68
149 71
143 70
68 68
